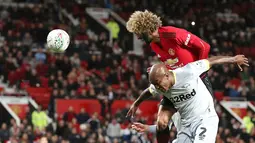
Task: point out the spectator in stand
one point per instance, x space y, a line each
76 125
24 138
249 125
74 136
12 140
69 115
4 133
110 94
94 122
114 27
43 140
40 56
61 128
83 116
75 60
114 130
33 78
117 51
227 26
245 75
39 119
230 90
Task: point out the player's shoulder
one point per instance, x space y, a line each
167 32
171 32
182 76
168 28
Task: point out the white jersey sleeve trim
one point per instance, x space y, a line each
174 77
208 64
152 90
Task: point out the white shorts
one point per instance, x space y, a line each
201 131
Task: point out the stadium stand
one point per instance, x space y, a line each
101 73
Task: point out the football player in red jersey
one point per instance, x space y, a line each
175 47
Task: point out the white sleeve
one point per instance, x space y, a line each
199 67
195 68
176 118
153 90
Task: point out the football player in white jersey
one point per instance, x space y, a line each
189 96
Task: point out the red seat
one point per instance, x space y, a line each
24 84
40 95
219 95
235 82
107 69
21 73
115 86
97 72
44 82
12 77
84 64
81 37
1 89
42 69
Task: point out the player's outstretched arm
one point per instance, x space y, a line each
146 94
238 59
141 128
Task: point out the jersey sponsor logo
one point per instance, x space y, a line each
172 62
183 97
187 40
171 52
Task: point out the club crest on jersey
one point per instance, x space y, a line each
171 52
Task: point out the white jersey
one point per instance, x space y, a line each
189 95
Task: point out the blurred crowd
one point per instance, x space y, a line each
93 67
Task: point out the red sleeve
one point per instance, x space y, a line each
202 48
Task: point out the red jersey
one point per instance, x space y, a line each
179 47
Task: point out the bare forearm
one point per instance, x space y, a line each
144 95
221 60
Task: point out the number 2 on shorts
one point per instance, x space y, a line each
202 134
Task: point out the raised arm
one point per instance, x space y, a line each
146 94
198 67
238 59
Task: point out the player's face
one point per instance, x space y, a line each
164 83
147 38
